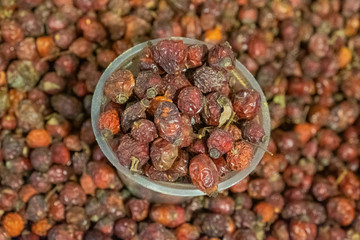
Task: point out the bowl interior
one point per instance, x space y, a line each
240 78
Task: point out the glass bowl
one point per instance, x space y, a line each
165 192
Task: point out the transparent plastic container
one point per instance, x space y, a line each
164 192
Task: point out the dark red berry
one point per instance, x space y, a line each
119 86
246 103
168 122
219 143
163 154
148 84
209 80
204 174
170 55
221 56
144 131
190 101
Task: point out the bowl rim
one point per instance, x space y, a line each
174 189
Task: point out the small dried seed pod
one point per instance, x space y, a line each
119 86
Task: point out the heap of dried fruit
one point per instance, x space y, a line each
184 99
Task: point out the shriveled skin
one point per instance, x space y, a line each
129 149
221 56
168 122
174 83
204 174
240 156
132 113
155 102
163 154
180 167
168 215
170 55
187 133
146 60
212 109
221 166
119 86
190 101
144 131
219 143
341 210
148 84
109 120
246 103
209 80
302 230
196 55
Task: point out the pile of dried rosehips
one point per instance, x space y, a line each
55 182
179 110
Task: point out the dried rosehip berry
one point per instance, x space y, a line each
154 174
51 83
180 166
72 194
139 209
40 182
221 57
131 153
112 201
170 55
125 228
13 224
196 55
37 208
146 61
168 122
103 175
163 154
302 230
68 106
213 224
38 138
221 205
221 166
144 131
187 133
240 156
219 143
190 101
341 210
65 66
213 108
235 132
350 186
132 113
168 215
148 84
22 75
119 86
109 121
204 174
91 29
209 80
253 132
259 188
187 231
59 174
41 159
156 231
57 126
76 216
174 83
246 103
60 153
198 146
